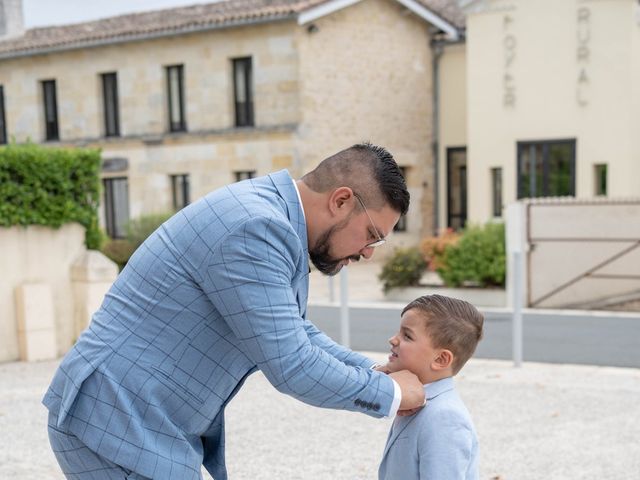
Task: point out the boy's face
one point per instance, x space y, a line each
411 348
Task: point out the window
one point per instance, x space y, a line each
243 94
110 104
600 176
175 95
401 226
456 187
3 125
180 191
116 205
244 175
50 110
496 189
546 168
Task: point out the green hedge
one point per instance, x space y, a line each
478 258
50 187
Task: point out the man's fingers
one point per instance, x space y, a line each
411 411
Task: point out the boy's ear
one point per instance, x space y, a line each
443 360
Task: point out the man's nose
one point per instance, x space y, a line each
367 252
393 340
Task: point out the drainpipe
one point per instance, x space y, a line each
437 45
437 48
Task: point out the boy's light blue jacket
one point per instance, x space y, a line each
437 443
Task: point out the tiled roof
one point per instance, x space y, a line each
176 21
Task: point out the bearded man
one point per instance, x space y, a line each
217 292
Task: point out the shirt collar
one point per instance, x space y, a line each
295 185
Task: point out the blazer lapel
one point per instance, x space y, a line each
400 424
284 184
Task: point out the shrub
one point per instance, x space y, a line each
478 257
50 187
403 269
120 250
433 248
140 228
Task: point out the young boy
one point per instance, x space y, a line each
437 336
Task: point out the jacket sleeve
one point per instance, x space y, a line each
249 280
334 349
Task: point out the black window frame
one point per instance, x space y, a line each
110 104
3 118
497 184
241 175
180 125
460 217
601 179
545 144
180 185
50 104
114 228
244 111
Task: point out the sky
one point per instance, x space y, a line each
38 13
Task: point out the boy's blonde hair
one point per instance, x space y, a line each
452 324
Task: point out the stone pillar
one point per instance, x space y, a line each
36 322
91 275
11 19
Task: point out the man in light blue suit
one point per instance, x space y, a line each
437 336
217 292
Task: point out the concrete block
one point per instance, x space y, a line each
37 345
36 322
34 307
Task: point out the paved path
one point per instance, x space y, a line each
543 421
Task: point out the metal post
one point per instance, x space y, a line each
517 309
344 308
332 296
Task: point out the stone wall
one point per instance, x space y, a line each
49 287
365 74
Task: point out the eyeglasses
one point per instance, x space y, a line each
380 241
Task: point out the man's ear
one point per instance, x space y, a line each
339 201
443 360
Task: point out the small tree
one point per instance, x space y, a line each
403 269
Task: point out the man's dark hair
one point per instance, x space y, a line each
369 170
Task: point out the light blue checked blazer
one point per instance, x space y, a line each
218 291
437 443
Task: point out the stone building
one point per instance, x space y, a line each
542 100
185 100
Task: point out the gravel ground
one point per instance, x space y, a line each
561 422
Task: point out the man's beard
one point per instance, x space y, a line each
319 254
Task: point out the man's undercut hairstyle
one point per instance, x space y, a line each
452 324
369 170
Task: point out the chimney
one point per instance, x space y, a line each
11 19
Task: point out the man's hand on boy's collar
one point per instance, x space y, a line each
413 398
412 411
400 413
381 368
